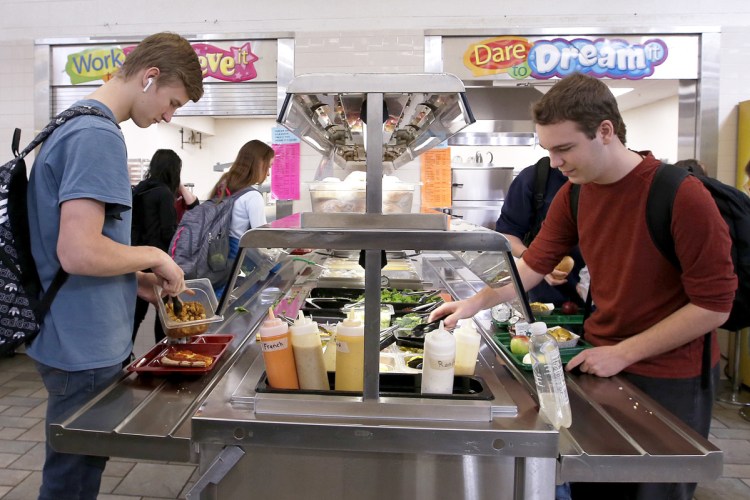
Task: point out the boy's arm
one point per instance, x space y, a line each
84 250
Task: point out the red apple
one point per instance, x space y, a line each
569 308
519 344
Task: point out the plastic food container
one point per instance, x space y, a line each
203 295
564 344
333 195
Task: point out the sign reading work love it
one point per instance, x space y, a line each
228 62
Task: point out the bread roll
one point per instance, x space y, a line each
565 265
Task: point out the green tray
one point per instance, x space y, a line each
566 354
557 318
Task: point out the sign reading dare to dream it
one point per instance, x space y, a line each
522 58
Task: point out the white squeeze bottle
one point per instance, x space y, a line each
467 347
308 354
549 376
350 354
438 362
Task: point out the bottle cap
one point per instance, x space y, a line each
441 342
273 326
538 328
466 327
303 325
351 326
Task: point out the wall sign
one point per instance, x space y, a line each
541 58
285 173
559 57
229 62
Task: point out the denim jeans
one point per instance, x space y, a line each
66 476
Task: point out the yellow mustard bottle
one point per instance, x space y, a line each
350 354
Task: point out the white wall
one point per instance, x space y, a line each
374 36
654 128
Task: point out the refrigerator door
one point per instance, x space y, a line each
481 182
482 213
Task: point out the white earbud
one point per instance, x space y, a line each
150 81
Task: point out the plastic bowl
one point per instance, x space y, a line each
329 197
203 293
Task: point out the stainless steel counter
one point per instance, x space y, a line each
386 445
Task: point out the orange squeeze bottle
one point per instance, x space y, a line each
277 353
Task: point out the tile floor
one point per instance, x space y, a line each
23 402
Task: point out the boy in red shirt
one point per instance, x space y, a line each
650 318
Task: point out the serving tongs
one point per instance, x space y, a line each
422 294
176 303
387 336
331 302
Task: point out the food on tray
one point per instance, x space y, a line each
409 321
414 362
569 308
560 334
519 344
186 358
541 309
566 264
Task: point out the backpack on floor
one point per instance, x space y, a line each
21 309
734 206
200 246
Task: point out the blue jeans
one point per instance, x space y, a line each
66 476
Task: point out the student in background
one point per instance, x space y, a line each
185 201
79 202
524 209
155 217
250 168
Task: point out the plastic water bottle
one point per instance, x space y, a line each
438 362
549 376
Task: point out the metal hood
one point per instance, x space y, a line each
420 111
503 117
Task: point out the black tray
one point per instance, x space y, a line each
404 385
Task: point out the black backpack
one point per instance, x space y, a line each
734 206
21 309
541 174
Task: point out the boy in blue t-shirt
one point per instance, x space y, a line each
79 203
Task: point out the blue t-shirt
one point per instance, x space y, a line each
91 319
517 218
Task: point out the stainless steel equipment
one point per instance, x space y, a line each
478 193
278 444
417 112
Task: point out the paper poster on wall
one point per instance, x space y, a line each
743 146
436 178
285 173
